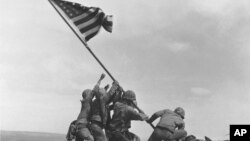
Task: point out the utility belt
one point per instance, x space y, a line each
82 125
165 128
115 129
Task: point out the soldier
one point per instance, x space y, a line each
82 123
170 127
124 112
115 98
80 128
99 112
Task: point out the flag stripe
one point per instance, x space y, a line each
87 23
97 22
85 29
85 19
89 34
83 15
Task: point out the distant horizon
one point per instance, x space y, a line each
30 132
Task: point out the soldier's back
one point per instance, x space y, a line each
169 119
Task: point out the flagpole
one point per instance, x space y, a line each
88 48
83 42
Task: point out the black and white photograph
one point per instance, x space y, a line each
124 70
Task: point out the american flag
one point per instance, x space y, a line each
87 20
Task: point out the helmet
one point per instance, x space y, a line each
190 138
129 95
85 93
180 111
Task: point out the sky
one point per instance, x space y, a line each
189 53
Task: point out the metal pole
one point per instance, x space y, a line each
86 45
83 42
151 124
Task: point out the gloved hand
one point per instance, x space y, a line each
147 118
116 83
102 76
148 121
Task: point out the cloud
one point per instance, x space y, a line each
178 47
198 91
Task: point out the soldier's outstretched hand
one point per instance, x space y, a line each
116 83
102 76
148 121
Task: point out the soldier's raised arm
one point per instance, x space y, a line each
100 79
136 115
97 86
112 93
155 116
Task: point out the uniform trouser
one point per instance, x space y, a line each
84 134
71 132
98 132
160 134
123 136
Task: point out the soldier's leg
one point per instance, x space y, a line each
118 136
84 134
179 134
160 134
155 136
71 132
98 132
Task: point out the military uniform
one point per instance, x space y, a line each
99 112
170 127
121 122
80 128
82 123
71 134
